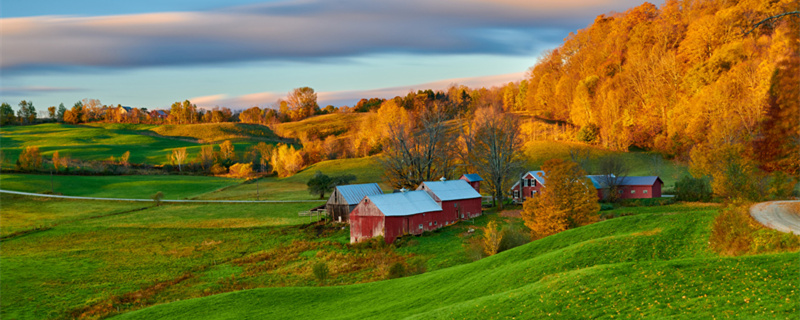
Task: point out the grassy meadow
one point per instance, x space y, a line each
149 144
173 187
652 264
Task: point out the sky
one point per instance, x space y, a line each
240 53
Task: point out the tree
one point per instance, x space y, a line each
614 169
302 103
179 156
320 183
321 271
569 200
226 155
157 198
26 112
495 150
61 110
264 152
492 236
286 161
6 114
252 115
417 151
123 159
56 161
206 157
30 158
51 112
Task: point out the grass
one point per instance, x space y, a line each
128 187
366 170
654 264
147 143
330 124
641 163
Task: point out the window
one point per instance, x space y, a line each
420 226
516 193
532 192
435 223
529 182
534 182
633 191
429 223
645 191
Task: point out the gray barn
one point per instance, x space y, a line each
345 198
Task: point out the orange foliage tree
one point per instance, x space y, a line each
568 200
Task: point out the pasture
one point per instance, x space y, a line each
173 187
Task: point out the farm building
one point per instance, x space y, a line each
394 215
529 184
473 179
636 187
345 198
457 197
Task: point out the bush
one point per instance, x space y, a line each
397 270
321 271
735 233
513 237
588 133
219 169
157 198
241 170
689 188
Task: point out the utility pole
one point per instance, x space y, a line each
52 185
257 189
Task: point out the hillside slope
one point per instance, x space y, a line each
652 265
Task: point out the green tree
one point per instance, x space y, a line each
61 110
568 200
320 183
6 114
26 112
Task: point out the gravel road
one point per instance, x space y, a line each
783 216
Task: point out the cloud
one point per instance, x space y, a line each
294 30
33 90
340 98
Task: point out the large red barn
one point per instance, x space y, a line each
458 199
394 215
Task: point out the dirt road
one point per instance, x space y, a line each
783 216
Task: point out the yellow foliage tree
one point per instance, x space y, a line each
286 161
568 200
30 158
492 236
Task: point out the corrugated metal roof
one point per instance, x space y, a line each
353 193
451 190
640 181
473 177
598 180
404 203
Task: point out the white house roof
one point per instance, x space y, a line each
404 203
353 193
538 175
451 190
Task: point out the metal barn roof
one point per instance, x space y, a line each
353 193
598 180
640 181
452 190
473 177
404 203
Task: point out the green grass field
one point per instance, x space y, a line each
365 169
330 124
128 187
651 265
147 143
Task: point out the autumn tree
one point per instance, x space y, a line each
178 157
492 237
614 169
51 112
302 103
26 112
264 152
418 150
252 115
226 155
568 201
494 149
30 159
124 158
56 161
286 160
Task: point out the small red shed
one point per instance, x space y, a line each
473 179
458 199
640 187
394 215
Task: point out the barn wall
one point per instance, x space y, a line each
639 192
366 222
470 208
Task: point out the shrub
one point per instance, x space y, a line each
735 233
397 270
689 188
157 198
588 133
241 170
218 169
321 271
513 237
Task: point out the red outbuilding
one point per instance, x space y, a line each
458 199
394 215
473 179
640 187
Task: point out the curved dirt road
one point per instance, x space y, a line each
783 216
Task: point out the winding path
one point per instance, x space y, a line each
783 216
151 200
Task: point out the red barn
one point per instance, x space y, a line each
640 187
458 199
474 180
529 184
394 215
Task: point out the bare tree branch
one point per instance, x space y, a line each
771 19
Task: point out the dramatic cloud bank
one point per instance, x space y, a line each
339 98
294 30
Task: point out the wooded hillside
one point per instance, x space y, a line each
684 76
